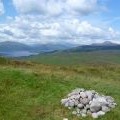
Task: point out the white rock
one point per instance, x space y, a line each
93 91
71 103
74 112
95 107
109 99
66 104
111 105
102 101
89 112
78 111
100 113
83 111
69 108
78 115
89 95
65 118
84 101
87 107
76 103
83 94
80 106
105 109
94 115
63 101
83 115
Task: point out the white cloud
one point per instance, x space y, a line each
82 6
28 30
56 7
1 8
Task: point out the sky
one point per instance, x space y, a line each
60 21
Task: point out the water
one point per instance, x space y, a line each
17 54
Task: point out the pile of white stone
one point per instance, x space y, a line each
88 102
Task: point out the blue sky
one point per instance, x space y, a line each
56 21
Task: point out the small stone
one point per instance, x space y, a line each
102 101
84 101
66 104
105 109
78 115
80 106
94 115
83 111
83 95
109 99
78 110
63 101
74 112
71 103
87 107
93 91
111 105
65 118
101 113
89 94
69 108
89 112
83 115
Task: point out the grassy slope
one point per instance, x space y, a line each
77 58
33 91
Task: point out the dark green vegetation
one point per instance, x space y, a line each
31 91
75 58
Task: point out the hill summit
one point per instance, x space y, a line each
106 43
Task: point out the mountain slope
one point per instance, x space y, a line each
87 54
95 47
13 46
106 43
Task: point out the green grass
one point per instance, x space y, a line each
63 58
30 91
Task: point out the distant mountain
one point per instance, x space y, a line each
13 46
51 47
106 43
15 49
95 47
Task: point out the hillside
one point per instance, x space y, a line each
95 47
13 46
30 91
106 52
76 58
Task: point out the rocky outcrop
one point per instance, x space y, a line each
88 102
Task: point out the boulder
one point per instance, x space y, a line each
95 107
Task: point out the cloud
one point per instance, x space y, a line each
56 7
1 8
27 29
